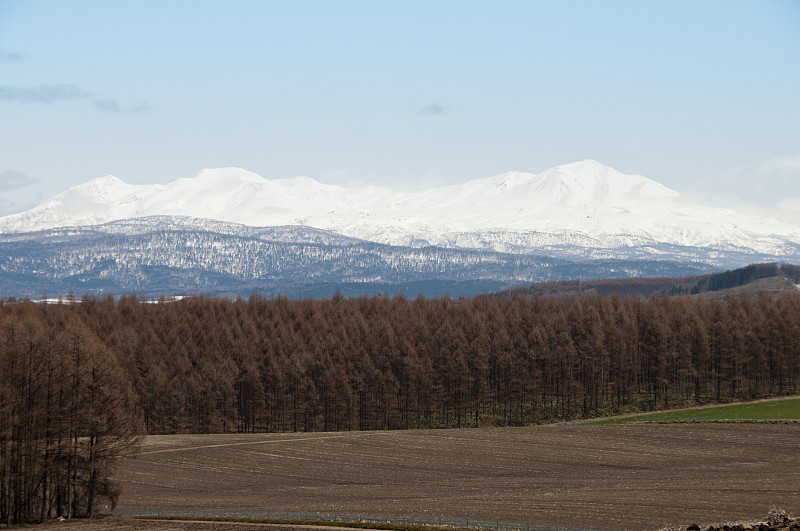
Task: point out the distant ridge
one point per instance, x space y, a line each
169 256
583 211
755 278
230 231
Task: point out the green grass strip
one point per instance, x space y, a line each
787 410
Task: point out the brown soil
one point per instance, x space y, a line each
601 477
124 523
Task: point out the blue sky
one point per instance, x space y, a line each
701 96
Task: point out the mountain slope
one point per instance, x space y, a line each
183 255
583 210
754 279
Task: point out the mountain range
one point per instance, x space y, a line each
539 226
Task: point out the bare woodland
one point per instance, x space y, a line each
66 413
79 378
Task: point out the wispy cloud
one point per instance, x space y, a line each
762 183
433 109
109 105
106 105
784 164
66 91
138 107
788 210
7 207
13 56
43 93
14 180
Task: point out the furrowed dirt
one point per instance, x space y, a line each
641 476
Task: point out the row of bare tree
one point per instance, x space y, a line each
217 365
67 412
79 378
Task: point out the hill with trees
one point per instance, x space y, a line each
755 278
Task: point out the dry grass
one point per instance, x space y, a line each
601 477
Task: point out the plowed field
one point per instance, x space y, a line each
641 476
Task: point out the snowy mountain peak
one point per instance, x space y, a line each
512 179
306 184
586 165
590 182
227 176
585 201
101 188
108 180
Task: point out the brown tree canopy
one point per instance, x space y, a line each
67 413
218 365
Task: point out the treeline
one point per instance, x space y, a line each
626 287
745 275
654 286
67 413
215 365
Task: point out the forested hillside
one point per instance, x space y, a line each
170 256
746 275
718 283
217 365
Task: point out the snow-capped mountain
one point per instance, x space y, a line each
582 210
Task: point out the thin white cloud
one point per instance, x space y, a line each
106 105
14 180
763 185
109 105
784 164
138 107
7 207
779 178
43 93
13 56
788 210
433 109
66 91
